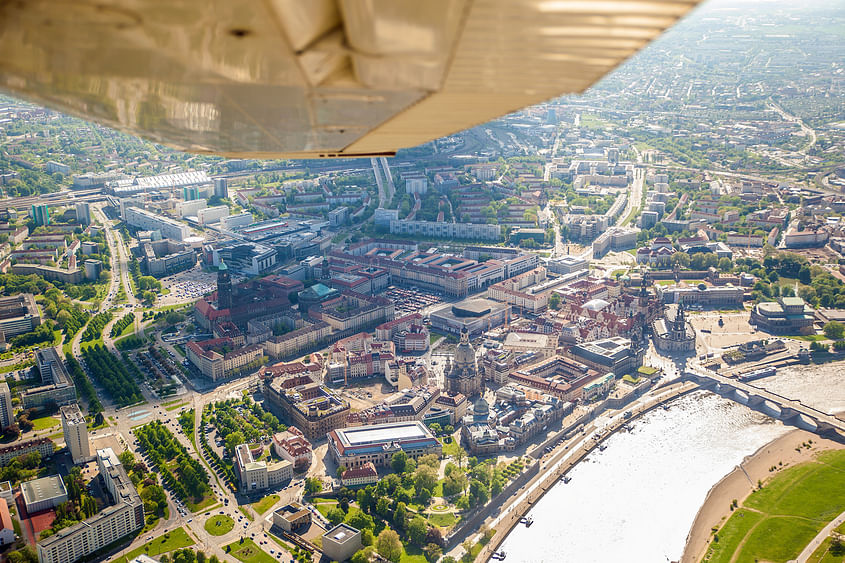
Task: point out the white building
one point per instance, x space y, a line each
191 207
212 214
147 221
259 475
234 221
76 433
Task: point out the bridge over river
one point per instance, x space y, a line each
787 410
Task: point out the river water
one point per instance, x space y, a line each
636 500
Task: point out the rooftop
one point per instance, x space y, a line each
43 489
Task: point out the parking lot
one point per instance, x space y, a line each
411 300
188 286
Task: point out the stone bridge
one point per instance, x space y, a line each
784 409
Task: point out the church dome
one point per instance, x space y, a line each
464 352
481 408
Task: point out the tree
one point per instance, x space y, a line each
425 478
335 516
340 471
460 455
417 529
313 485
432 552
834 330
400 516
361 521
398 462
554 301
388 545
725 264
234 440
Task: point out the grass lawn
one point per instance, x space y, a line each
207 501
45 423
246 512
248 552
174 407
219 525
443 520
175 539
777 521
264 504
173 402
324 507
647 370
432 338
451 448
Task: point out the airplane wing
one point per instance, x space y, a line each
312 78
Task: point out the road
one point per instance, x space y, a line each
382 194
635 196
805 554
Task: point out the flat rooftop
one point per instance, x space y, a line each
383 433
43 489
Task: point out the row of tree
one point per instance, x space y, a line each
165 451
112 374
95 327
83 385
119 326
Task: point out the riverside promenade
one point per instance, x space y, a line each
566 456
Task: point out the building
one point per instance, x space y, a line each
292 516
83 213
376 444
353 312
224 287
7 415
291 445
7 528
341 542
166 256
43 494
360 476
44 447
306 404
54 167
461 372
40 214
211 215
250 258
338 217
56 385
18 314
788 315
260 475
407 333
473 315
236 221
123 517
146 221
93 269
542 345
221 188
793 238
673 333
708 296
616 354
415 183
76 433
441 229
220 358
567 265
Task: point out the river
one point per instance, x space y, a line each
636 500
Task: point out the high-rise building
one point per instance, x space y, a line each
7 416
83 213
224 287
41 215
76 433
221 187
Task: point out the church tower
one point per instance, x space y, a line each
224 287
462 374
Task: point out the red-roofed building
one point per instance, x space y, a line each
7 532
292 446
360 476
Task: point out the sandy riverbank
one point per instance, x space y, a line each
740 482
